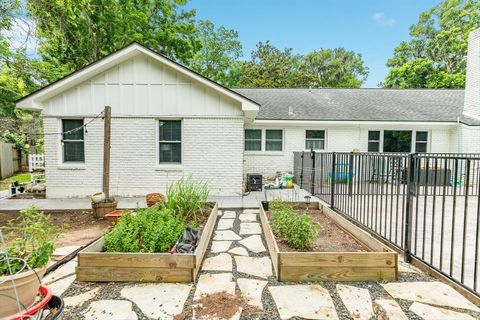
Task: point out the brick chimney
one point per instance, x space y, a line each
471 106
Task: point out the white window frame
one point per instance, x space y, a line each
380 140
264 151
324 139
168 165
413 142
265 140
245 140
427 142
61 157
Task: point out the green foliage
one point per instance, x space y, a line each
15 139
434 57
153 229
187 197
298 230
33 234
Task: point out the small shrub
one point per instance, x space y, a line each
150 230
33 234
187 197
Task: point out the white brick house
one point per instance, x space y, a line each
168 122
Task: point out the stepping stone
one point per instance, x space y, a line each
159 300
225 224
213 283
357 301
222 262
60 286
220 246
252 290
436 293
78 300
253 243
405 268
219 213
432 313
392 309
63 271
223 235
64 251
110 309
248 217
229 215
303 301
251 211
250 228
239 251
259 267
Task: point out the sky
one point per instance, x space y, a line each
370 27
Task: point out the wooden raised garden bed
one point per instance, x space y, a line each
375 262
96 265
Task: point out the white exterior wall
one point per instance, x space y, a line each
470 139
472 84
339 138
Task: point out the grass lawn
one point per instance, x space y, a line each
21 177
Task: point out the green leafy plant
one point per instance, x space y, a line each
187 197
149 230
298 230
15 139
33 234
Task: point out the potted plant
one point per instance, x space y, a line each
114 215
154 198
29 246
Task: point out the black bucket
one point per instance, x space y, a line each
56 303
265 205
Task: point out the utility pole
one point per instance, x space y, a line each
106 150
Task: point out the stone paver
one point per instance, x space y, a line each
357 301
436 293
78 300
248 217
252 290
221 262
392 309
229 215
239 251
250 228
159 300
213 283
253 243
251 211
304 301
259 267
220 246
64 251
63 271
224 224
110 309
433 313
223 235
60 286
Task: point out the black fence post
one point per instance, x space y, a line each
312 182
350 174
301 172
409 207
332 186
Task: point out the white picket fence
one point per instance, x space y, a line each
36 162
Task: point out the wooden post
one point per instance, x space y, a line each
106 150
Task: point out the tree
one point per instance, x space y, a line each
75 33
218 56
437 48
336 68
270 67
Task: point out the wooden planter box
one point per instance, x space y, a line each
98 266
378 264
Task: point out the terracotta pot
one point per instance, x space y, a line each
154 198
102 208
114 215
26 284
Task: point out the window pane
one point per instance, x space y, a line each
315 144
422 136
374 135
420 147
170 130
253 134
273 146
170 152
373 146
315 134
70 124
397 141
274 134
73 151
253 145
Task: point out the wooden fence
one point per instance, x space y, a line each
9 160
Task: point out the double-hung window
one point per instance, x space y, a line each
373 141
73 140
315 139
421 141
273 140
170 144
253 140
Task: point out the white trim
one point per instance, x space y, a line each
413 138
335 122
325 139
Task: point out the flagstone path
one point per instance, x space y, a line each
238 263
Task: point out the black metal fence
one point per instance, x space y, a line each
428 205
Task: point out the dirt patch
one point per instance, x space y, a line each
76 227
331 237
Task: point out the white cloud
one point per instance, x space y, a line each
383 20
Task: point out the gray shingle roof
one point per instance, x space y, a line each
433 105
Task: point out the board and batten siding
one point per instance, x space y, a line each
338 138
141 91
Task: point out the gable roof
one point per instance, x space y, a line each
33 100
400 105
